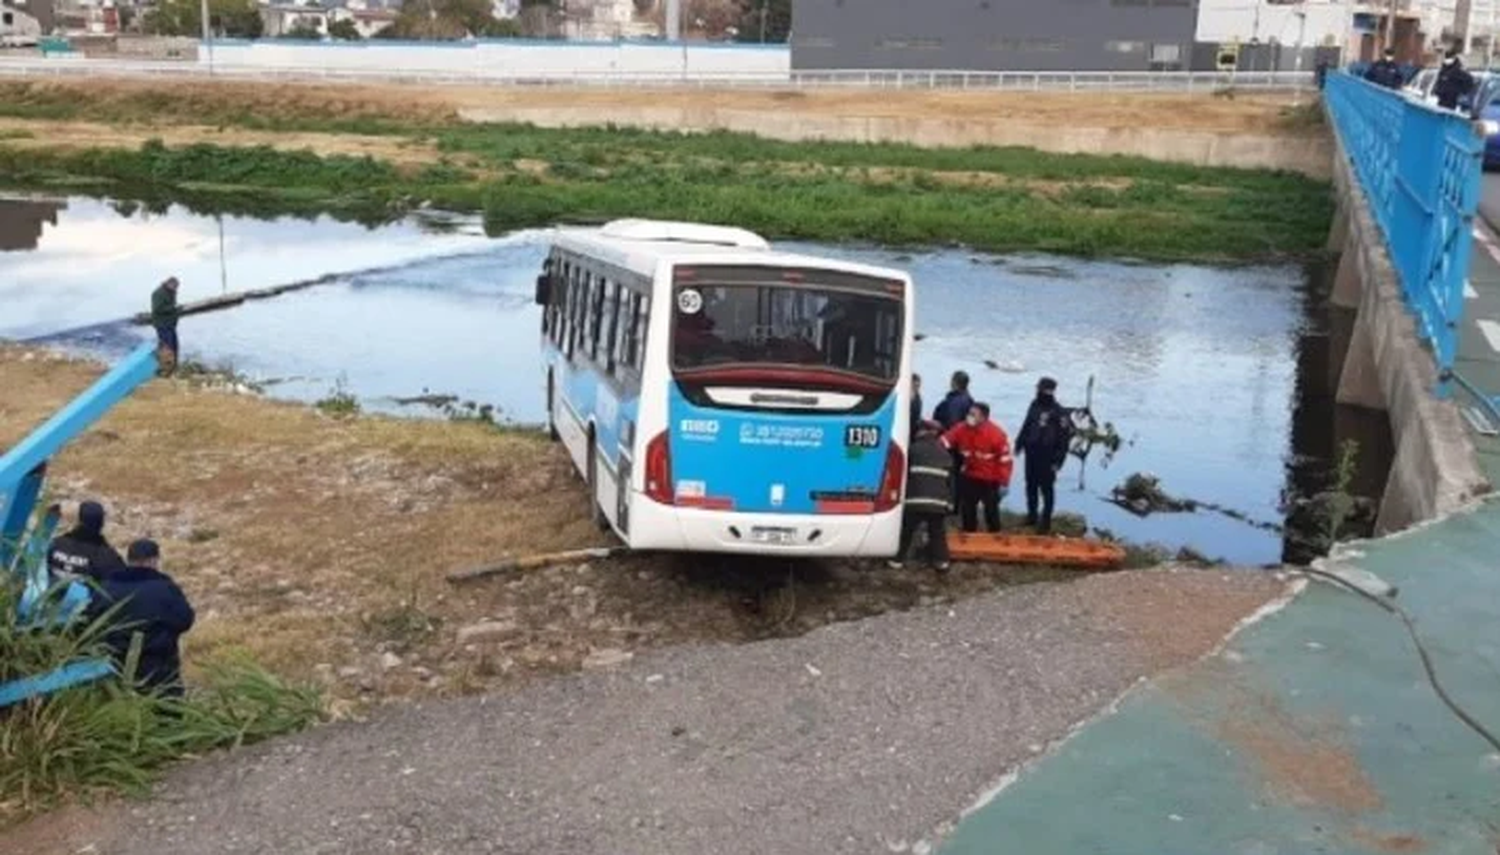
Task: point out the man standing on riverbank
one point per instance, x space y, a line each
951 411
985 476
164 319
1043 441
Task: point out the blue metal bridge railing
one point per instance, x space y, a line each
1420 169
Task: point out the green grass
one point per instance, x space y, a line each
997 199
108 738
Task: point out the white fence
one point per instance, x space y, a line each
690 71
509 58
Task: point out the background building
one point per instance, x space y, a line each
1029 35
1131 35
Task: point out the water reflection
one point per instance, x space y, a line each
1197 366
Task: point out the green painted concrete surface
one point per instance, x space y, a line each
1314 731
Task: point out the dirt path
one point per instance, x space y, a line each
859 737
33 133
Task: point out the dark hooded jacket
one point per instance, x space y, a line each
1046 433
148 602
1384 72
1454 83
953 408
83 551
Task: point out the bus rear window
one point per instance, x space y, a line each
787 326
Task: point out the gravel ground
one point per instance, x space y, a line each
861 737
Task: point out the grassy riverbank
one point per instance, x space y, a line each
373 165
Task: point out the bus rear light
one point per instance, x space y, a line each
891 482
659 470
843 506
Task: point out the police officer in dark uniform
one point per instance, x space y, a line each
1044 441
147 602
83 551
1385 72
1454 82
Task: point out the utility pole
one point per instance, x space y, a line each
208 40
1390 28
674 20
1255 39
765 7
1489 41
1301 13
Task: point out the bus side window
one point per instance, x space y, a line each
575 308
625 352
596 314
642 318
611 326
559 306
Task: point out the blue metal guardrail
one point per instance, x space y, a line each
23 468
1420 169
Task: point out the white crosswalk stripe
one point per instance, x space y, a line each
1469 292
1491 331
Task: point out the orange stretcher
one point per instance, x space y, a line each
1034 549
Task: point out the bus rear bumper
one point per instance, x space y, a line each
662 527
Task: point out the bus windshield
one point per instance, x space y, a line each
786 326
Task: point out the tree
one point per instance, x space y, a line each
233 18
344 30
303 29
774 15
446 20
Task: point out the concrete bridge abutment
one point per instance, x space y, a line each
1386 367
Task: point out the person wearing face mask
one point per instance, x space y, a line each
1454 82
985 476
1044 440
1385 72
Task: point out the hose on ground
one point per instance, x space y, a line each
1411 630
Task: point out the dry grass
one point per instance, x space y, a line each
190 101
37 133
318 545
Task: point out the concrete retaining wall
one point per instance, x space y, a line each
508 56
1307 155
1386 367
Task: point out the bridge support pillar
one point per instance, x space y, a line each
1338 234
1359 381
1346 282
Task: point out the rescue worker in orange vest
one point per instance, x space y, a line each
987 463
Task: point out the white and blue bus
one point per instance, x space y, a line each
720 396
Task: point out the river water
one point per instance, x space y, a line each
1196 366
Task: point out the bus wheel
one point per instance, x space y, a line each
596 512
551 417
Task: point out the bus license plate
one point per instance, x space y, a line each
773 536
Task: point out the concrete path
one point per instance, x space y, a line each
858 737
1479 341
1313 732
